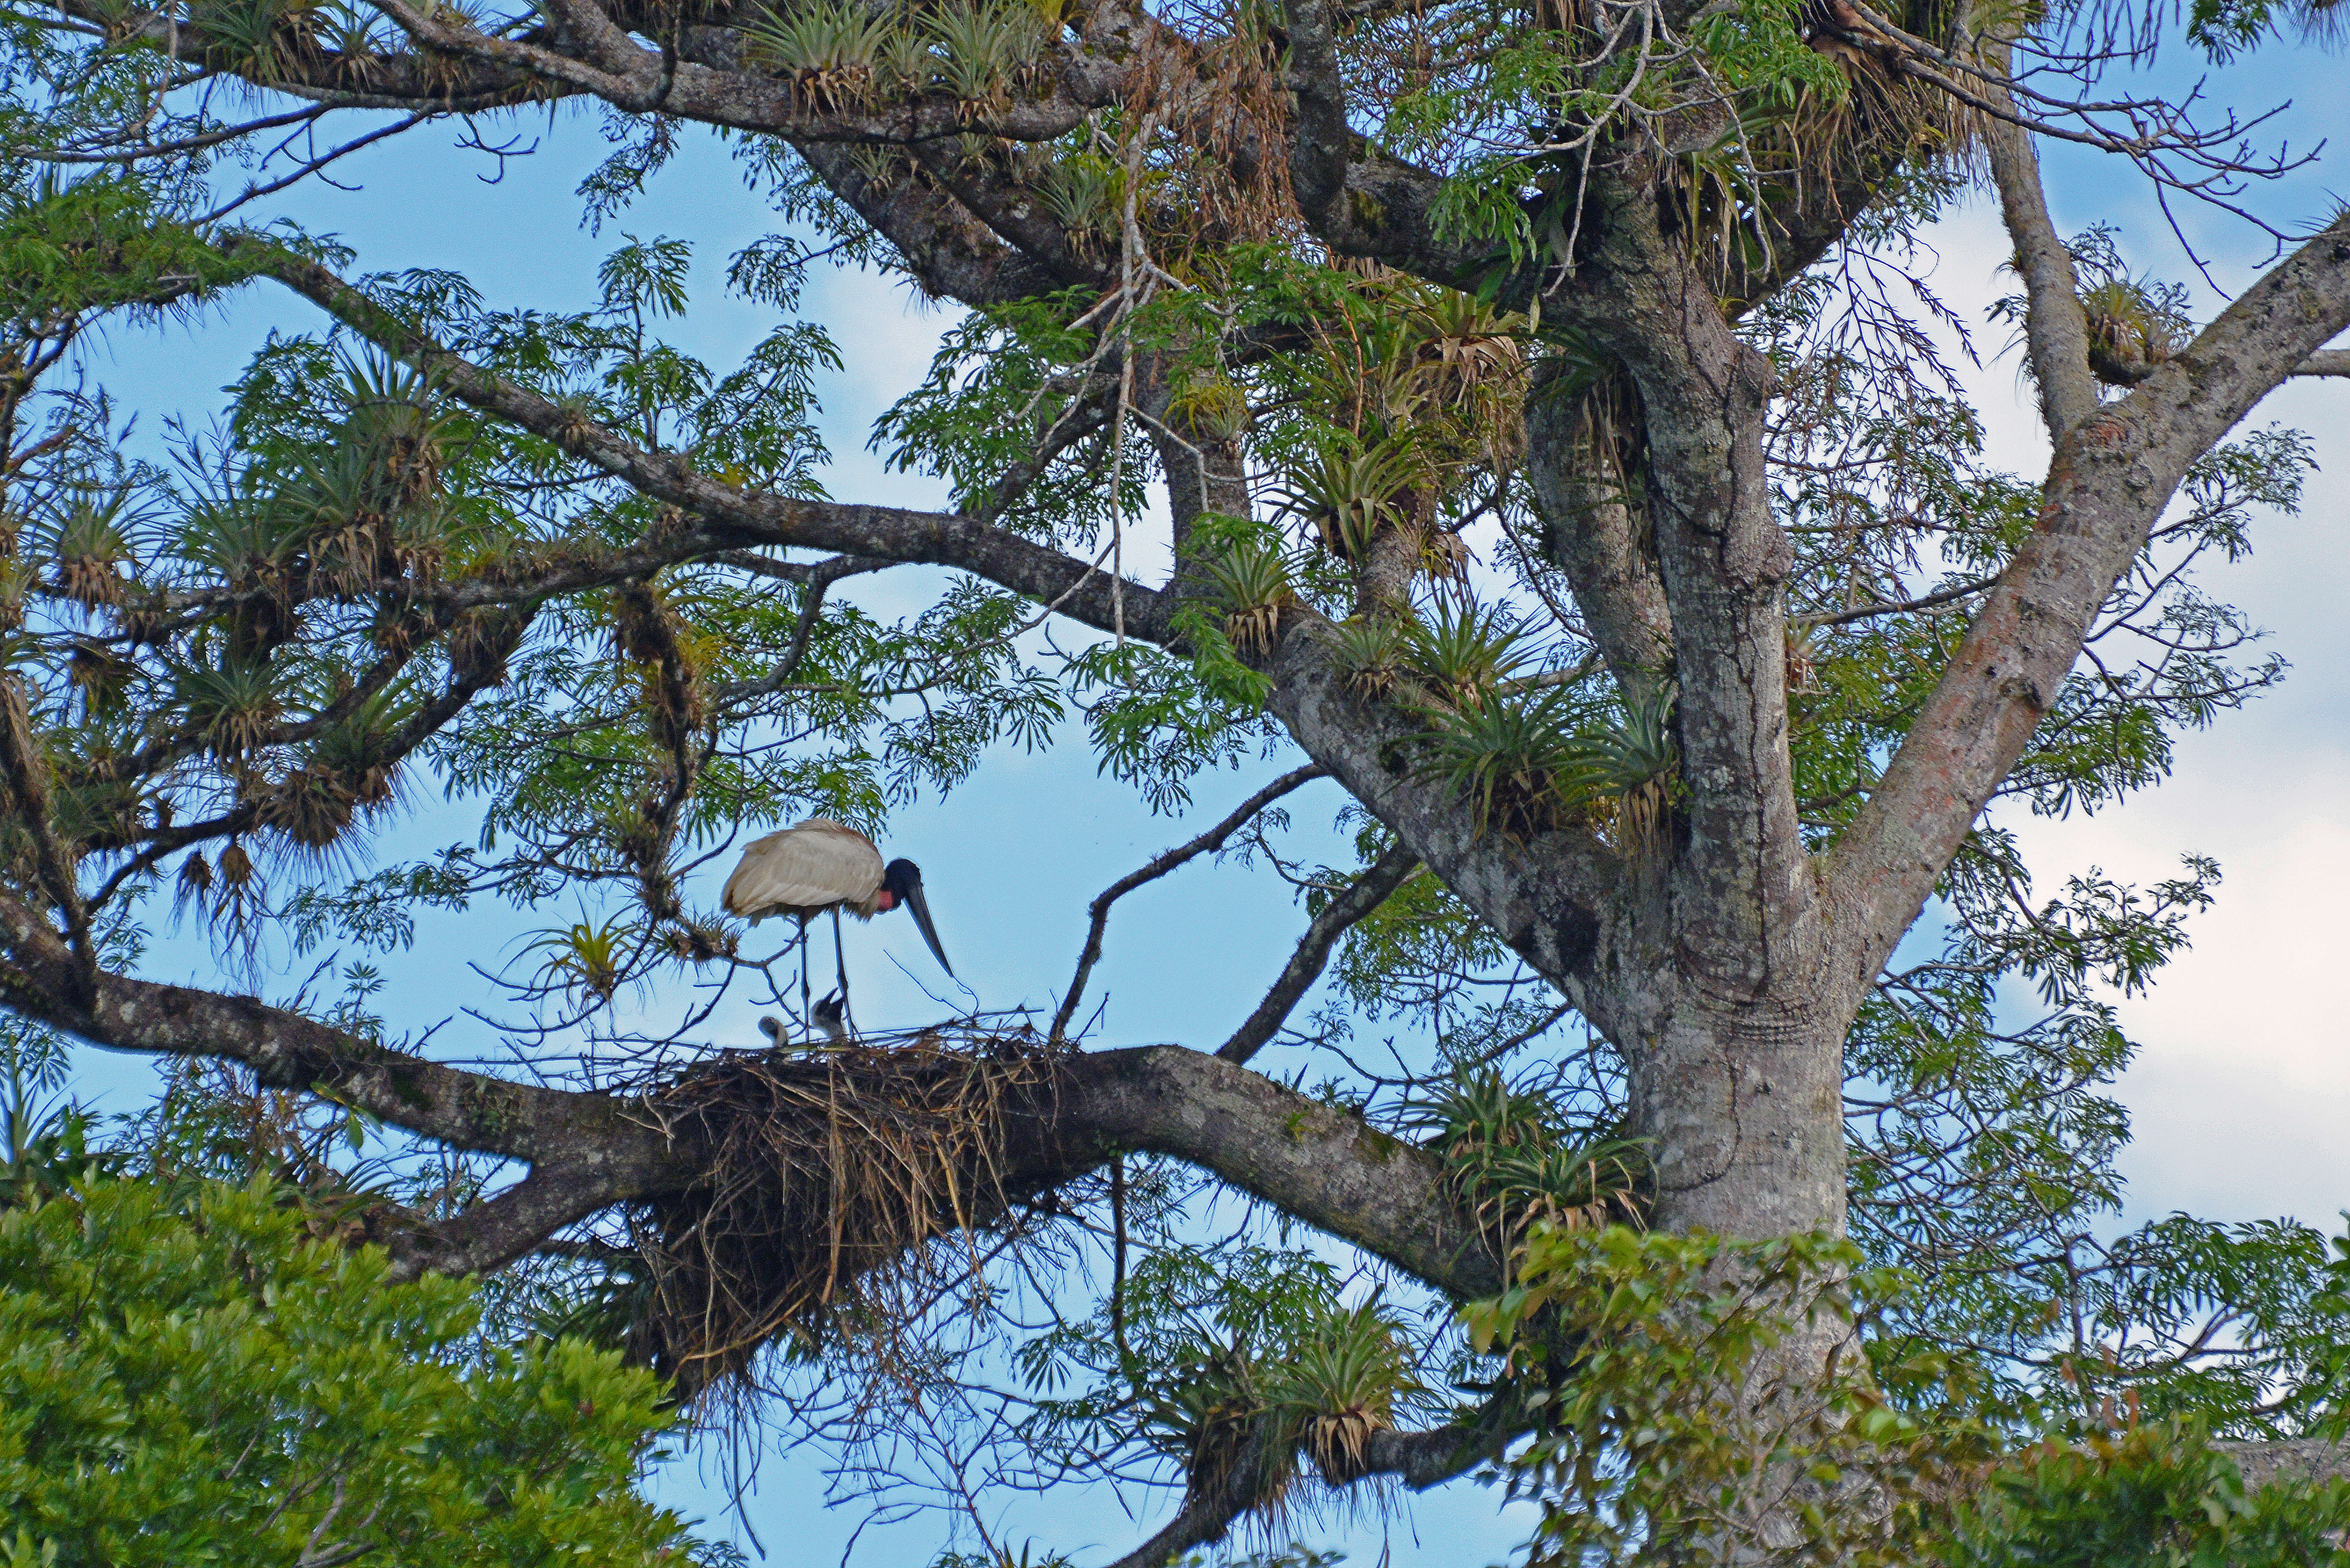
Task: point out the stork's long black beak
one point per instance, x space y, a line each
920 908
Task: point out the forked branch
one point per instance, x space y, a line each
1207 843
738 517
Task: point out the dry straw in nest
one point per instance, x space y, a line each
830 1177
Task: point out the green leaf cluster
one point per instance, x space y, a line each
199 1380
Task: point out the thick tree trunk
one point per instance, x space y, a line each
1742 1106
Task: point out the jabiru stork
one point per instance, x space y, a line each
820 864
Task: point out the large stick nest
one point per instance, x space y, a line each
834 1179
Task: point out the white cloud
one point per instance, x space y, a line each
2243 1089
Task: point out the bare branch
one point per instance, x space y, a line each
1948 596
817 580
2055 332
1363 895
286 1050
495 1231
1159 865
1590 534
2289 1459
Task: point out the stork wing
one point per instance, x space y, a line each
812 866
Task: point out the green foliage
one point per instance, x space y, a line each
2226 28
260 658
204 1382
829 51
2152 1493
1463 653
1680 1413
1349 492
99 242
1369 650
1517 761
1219 1357
1253 582
586 957
1518 1163
1667 1419
1003 1557
43 1138
1530 761
983 46
997 383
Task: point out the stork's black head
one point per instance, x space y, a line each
902 881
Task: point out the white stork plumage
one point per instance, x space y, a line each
820 864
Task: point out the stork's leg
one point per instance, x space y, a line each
841 958
808 1018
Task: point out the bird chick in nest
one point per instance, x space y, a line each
831 1015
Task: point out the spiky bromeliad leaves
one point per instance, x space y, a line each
90 548
986 47
827 51
1530 761
359 751
1518 1163
1342 1388
1252 576
587 956
1372 648
1517 759
1082 191
1462 653
1242 1415
231 704
1348 491
568 484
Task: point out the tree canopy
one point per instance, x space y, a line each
1539 410
196 1372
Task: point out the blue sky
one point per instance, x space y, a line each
2246 1080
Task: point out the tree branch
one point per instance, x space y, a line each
1362 896
1741 874
2110 478
1935 600
288 1051
1318 1164
2289 1459
513 1223
1159 865
1420 1460
1590 534
817 581
1545 898
950 252
1075 588
2055 332
1361 200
